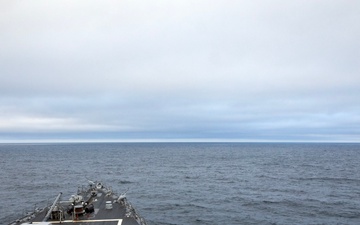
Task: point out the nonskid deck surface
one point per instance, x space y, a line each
107 209
91 222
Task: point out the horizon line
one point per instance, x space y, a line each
153 140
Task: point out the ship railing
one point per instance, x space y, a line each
28 214
131 212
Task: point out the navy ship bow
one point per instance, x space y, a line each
95 204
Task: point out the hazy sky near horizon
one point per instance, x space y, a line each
171 70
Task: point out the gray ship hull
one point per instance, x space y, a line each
95 205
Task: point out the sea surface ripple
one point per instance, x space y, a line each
193 183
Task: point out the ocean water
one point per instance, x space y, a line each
193 183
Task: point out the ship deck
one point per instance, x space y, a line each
120 212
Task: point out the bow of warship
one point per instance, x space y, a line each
95 204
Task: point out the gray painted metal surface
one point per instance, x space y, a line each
95 205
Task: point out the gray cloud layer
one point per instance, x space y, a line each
237 70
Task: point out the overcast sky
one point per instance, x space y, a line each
180 70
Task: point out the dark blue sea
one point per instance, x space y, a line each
193 183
